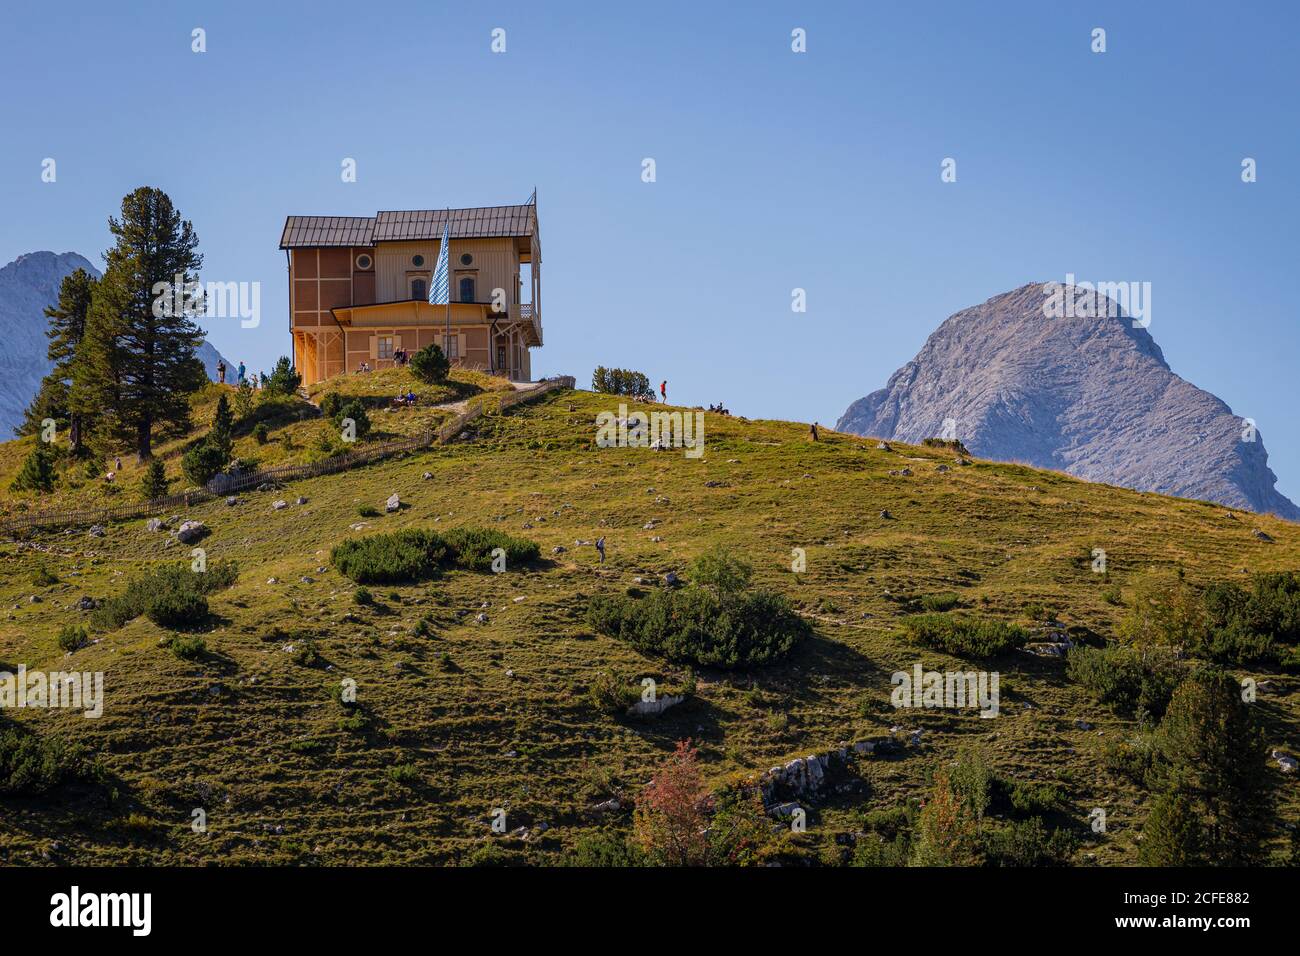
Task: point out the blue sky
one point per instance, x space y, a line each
775 170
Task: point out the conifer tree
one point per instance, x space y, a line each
221 436
66 330
1210 752
137 359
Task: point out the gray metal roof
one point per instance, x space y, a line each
314 231
482 222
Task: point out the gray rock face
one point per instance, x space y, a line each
27 285
1093 397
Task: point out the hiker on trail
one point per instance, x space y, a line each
663 390
221 372
241 372
812 431
600 546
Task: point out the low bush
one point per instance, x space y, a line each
716 621
415 554
261 434
938 603
171 595
73 637
963 635
1134 682
32 765
390 558
188 647
202 463
430 365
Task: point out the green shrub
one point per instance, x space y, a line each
154 483
356 411
611 694
1134 682
415 554
284 380
163 595
32 765
363 597
621 381
330 404
43 577
73 637
605 850
188 647
405 774
368 511
472 548
202 463
305 655
695 625
408 555
261 434
430 365
37 472
962 635
938 603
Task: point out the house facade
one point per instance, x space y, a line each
359 289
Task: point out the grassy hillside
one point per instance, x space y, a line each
462 715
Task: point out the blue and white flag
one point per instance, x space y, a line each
440 288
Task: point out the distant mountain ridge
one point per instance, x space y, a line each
1090 396
27 285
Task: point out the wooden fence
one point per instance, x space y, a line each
224 485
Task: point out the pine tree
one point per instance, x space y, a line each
137 359
37 472
1210 751
1172 834
284 379
154 483
221 436
67 328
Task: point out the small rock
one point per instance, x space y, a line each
153 524
1262 535
393 503
279 504
96 531
300 500
190 531
426 476
671 579
232 501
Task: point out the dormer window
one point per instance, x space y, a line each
467 289
419 289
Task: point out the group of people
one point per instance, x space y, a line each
719 409
257 380
404 400
400 357
363 368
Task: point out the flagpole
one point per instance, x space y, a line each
447 233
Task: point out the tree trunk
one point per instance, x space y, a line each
144 449
74 432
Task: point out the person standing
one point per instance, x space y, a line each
600 546
221 371
812 431
663 390
241 373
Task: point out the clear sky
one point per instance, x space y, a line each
775 170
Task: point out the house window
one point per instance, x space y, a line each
417 261
419 290
364 262
467 289
466 259
385 347
453 348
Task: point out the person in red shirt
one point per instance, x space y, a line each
663 390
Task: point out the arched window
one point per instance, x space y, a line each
467 289
419 290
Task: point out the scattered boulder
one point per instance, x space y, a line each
1262 535
653 708
154 524
231 501
393 503
279 504
191 531
883 446
559 549
96 531
300 500
671 579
